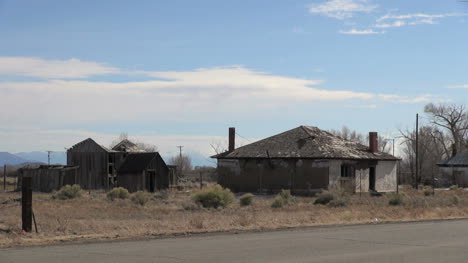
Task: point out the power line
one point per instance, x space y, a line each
243 137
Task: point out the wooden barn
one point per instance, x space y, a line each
97 164
306 159
143 171
47 178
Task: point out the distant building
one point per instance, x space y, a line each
456 169
99 166
306 159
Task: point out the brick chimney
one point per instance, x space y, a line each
373 142
232 139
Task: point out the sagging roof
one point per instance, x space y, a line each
127 146
137 162
459 160
305 142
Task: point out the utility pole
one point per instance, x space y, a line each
48 157
180 159
417 150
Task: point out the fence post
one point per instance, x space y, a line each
26 203
4 177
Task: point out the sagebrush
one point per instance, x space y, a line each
246 199
118 192
68 192
214 197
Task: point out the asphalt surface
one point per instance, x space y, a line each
441 241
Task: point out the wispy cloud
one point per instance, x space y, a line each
50 69
391 20
342 9
465 86
360 32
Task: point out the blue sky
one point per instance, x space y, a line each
182 72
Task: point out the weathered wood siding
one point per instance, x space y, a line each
49 179
93 162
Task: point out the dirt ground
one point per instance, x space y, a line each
94 217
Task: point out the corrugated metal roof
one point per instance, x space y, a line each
459 160
305 142
137 162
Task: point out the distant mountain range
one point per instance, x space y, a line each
32 157
61 158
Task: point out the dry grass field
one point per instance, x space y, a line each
94 217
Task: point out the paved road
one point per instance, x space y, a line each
443 241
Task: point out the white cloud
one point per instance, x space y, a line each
360 32
341 9
458 87
49 69
406 99
390 20
362 106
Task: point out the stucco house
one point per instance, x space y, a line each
306 158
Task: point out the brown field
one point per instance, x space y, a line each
93 217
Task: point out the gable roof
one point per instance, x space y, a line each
137 162
459 160
126 146
305 142
88 145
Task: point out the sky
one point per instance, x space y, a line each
176 73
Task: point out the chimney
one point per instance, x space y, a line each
373 142
232 139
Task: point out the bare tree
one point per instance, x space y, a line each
146 147
453 118
354 136
184 164
431 149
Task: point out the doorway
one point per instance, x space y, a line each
372 179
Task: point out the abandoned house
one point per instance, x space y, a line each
99 166
143 171
47 178
306 159
456 169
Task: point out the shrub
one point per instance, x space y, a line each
283 198
395 199
162 195
278 202
246 199
454 200
454 187
214 197
118 192
337 203
68 192
140 198
324 198
427 190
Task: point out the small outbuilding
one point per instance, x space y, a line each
143 171
306 159
456 169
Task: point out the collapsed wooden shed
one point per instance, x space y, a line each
143 171
47 178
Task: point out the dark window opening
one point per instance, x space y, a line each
347 171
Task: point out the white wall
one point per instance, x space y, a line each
386 176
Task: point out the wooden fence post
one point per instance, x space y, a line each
201 180
4 177
26 203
